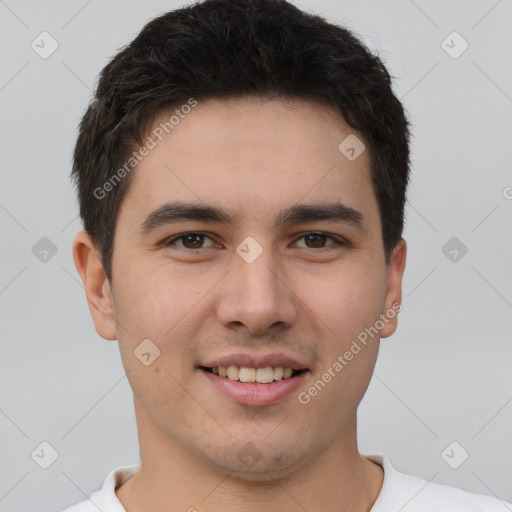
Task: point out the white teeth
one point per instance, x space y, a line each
247 374
259 375
233 372
278 373
265 375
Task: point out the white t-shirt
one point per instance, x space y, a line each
400 492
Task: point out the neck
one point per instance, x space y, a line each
338 479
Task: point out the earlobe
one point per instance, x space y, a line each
393 301
97 288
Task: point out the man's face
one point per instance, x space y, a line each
255 292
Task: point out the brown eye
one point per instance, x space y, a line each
189 240
195 241
318 241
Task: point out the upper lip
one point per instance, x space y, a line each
255 361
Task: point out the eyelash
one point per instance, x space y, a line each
337 242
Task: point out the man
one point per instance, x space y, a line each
242 177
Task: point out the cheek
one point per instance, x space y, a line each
347 301
352 304
153 339
155 301
147 312
349 306
163 305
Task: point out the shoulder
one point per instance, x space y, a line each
413 494
105 499
96 501
83 506
452 499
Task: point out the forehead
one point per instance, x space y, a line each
252 154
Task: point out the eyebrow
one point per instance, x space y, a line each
177 211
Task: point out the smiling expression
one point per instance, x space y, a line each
247 239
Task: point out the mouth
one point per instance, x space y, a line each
252 380
265 375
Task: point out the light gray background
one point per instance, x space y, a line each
444 376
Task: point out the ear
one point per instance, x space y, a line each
97 288
393 301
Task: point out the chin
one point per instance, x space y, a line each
263 465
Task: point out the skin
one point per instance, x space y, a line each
255 157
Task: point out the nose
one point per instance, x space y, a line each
257 296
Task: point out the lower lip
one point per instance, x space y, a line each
256 394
